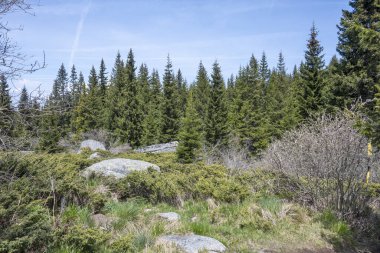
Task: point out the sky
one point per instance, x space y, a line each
82 32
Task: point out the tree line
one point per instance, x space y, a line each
256 105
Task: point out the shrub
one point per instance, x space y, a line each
84 239
123 245
196 181
29 230
330 157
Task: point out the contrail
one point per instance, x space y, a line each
79 32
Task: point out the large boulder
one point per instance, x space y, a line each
92 145
193 243
159 148
118 167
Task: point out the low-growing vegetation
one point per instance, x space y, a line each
255 209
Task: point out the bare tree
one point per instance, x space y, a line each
13 63
330 158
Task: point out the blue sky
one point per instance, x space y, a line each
81 32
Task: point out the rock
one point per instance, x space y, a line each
95 155
102 221
159 148
118 167
92 145
211 204
193 243
170 216
194 219
120 149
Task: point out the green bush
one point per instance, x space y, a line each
180 182
123 245
29 229
84 239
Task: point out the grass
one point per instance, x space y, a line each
261 221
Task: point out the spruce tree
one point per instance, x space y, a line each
118 65
152 124
102 79
143 87
23 104
338 91
312 77
182 91
114 103
93 82
281 64
247 118
81 84
189 135
201 94
130 124
230 88
358 45
88 111
216 123
50 132
74 86
23 108
6 109
171 112
59 100
264 69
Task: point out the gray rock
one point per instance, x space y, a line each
92 145
118 167
120 149
170 216
102 221
159 148
193 243
95 155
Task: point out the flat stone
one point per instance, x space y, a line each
170 216
118 167
193 243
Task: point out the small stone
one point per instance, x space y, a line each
102 221
95 155
170 216
194 219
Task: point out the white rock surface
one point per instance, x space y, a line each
170 216
92 145
118 167
193 243
159 148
